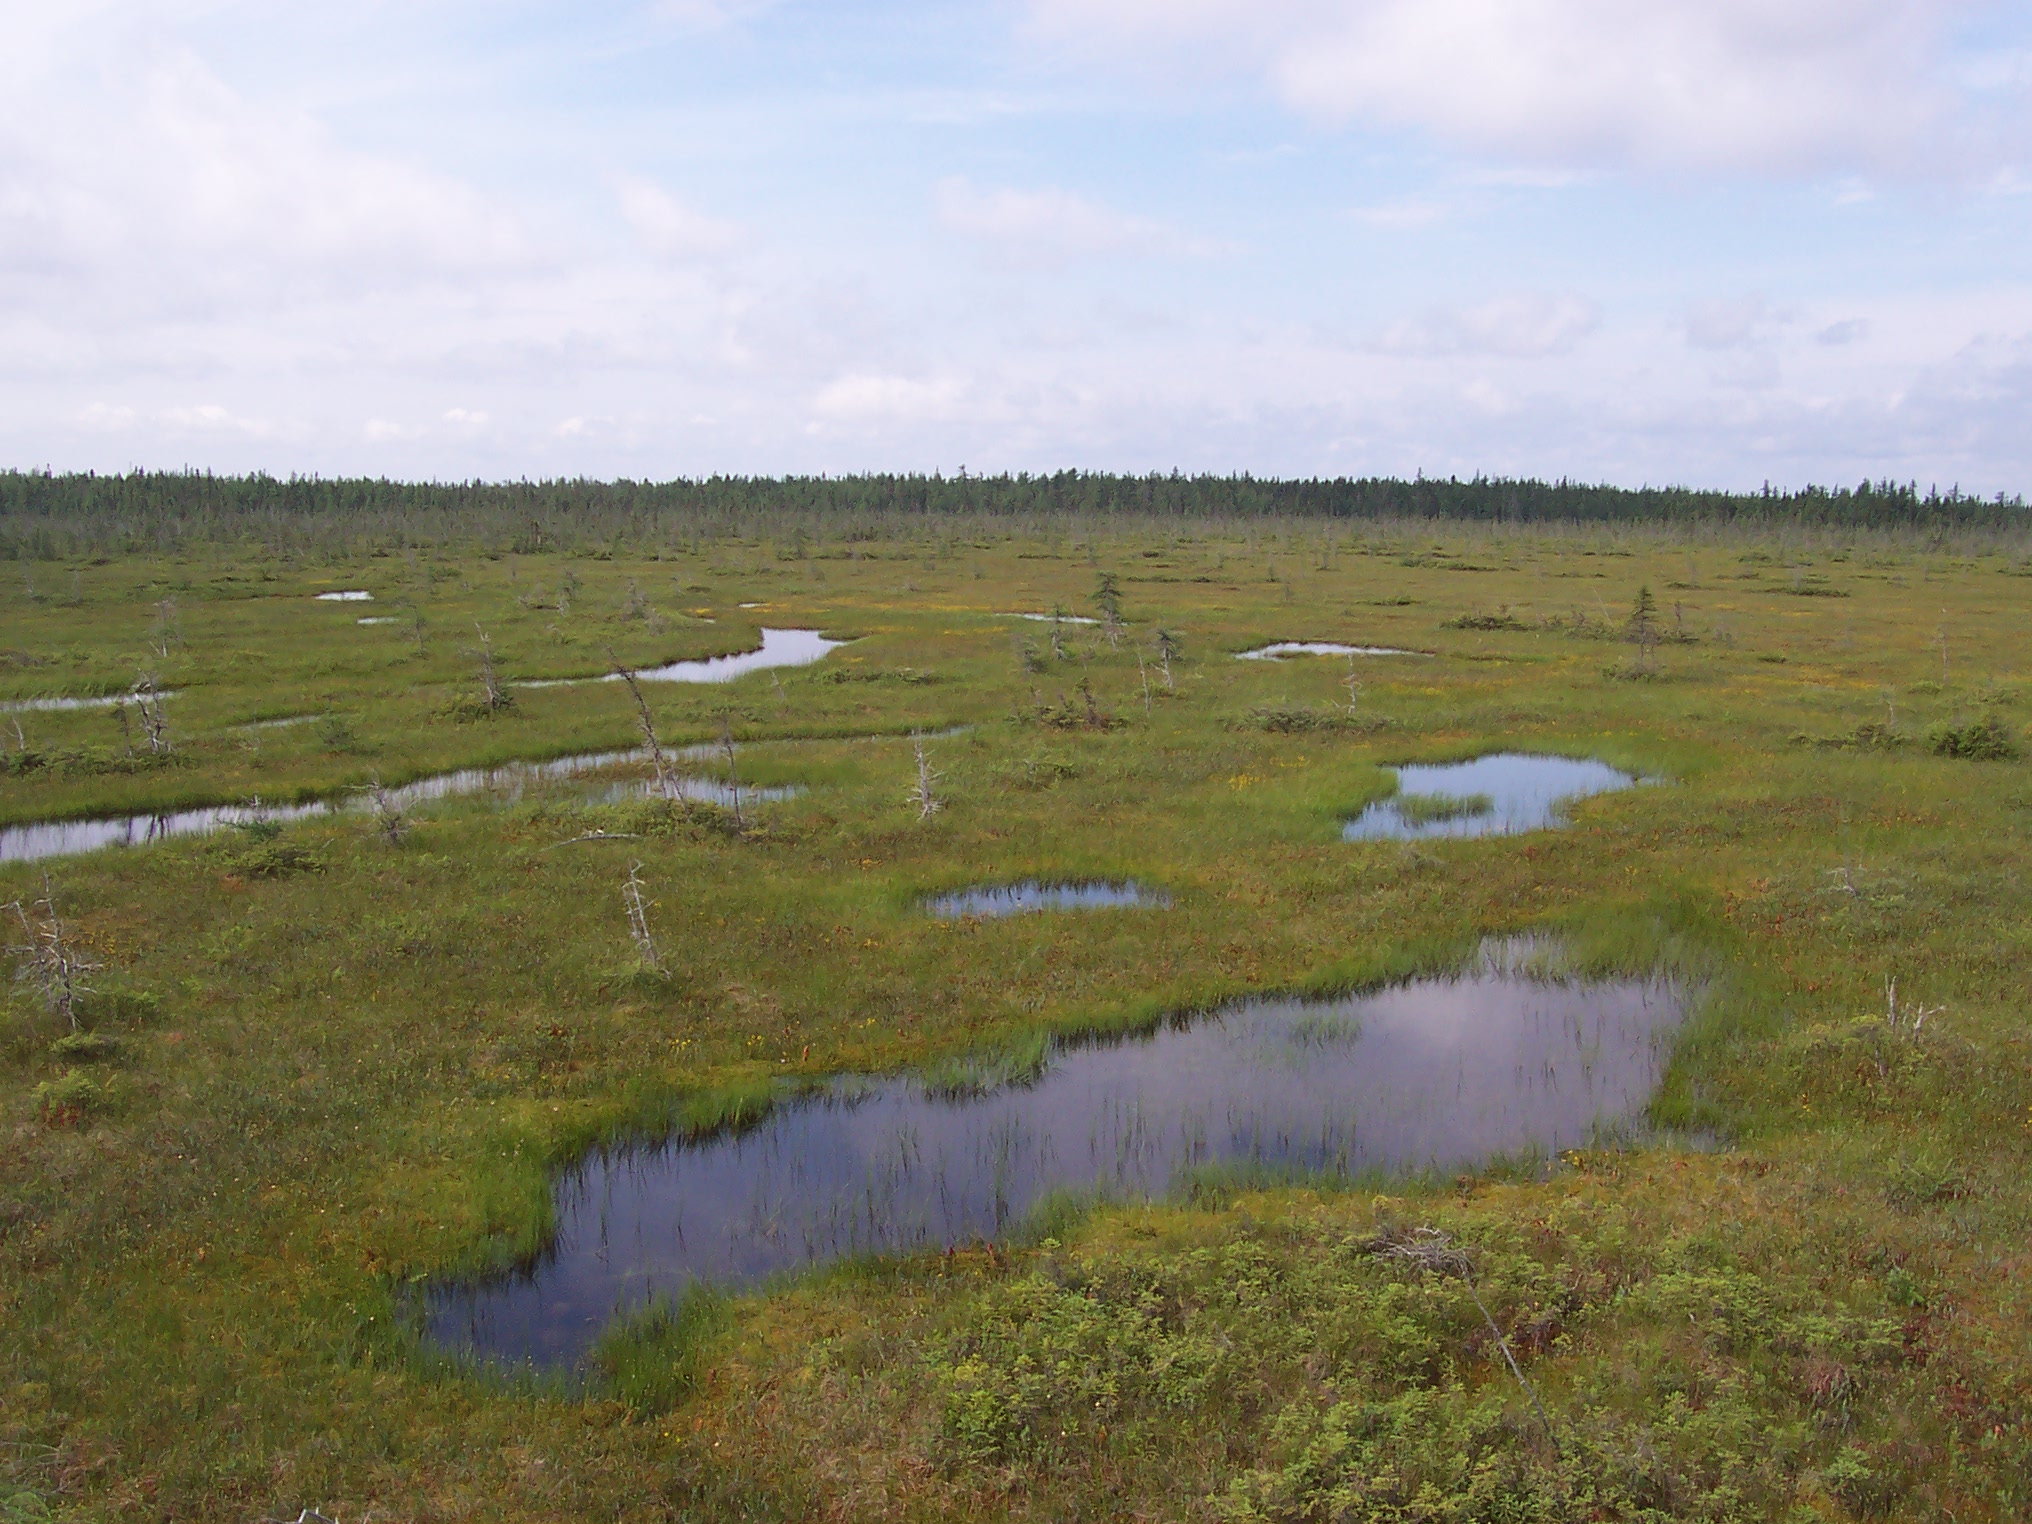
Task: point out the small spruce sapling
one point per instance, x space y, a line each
1643 628
1108 599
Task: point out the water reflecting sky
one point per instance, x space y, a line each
1433 1074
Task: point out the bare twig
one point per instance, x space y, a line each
492 695
665 785
638 919
48 959
733 777
1908 1021
922 792
1433 1250
389 819
167 632
151 702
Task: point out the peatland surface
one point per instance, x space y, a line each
323 1063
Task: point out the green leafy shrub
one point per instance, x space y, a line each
276 859
1288 719
1502 619
69 1098
84 1047
1983 740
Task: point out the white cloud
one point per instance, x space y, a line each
1521 325
210 418
669 228
1796 85
1730 322
1405 215
1051 225
144 159
889 399
106 417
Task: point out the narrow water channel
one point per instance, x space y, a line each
66 838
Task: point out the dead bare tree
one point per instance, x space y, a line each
638 919
20 738
923 793
389 818
151 702
48 959
733 777
1901 1024
1167 647
167 631
666 786
1354 686
1143 672
493 696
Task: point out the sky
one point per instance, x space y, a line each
1706 242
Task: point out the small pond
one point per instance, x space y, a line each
352 595
1284 648
1054 618
779 648
378 619
65 838
1019 899
1496 795
1434 1074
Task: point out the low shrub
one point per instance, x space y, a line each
1983 740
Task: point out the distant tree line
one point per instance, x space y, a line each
44 515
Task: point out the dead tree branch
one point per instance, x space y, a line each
48 959
923 793
638 919
1434 1251
666 785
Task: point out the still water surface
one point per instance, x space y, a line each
1524 794
779 648
1284 648
1029 896
1437 1073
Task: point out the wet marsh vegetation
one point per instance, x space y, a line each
323 1066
